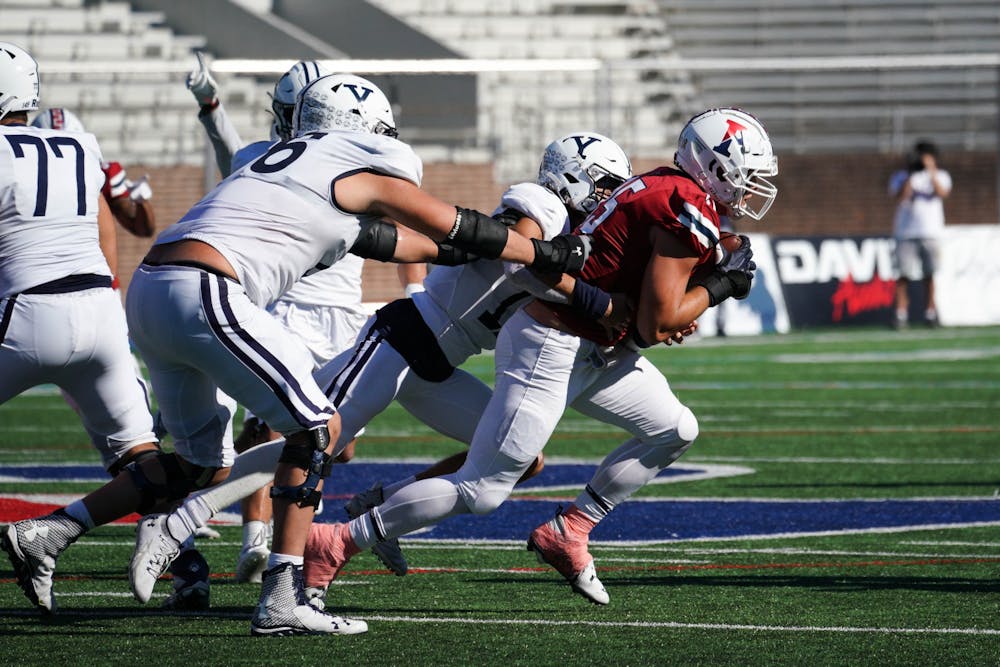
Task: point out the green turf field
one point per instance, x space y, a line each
826 417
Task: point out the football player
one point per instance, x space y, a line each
60 320
649 237
196 311
411 349
129 200
324 309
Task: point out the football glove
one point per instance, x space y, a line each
563 254
139 191
201 84
115 183
733 276
740 259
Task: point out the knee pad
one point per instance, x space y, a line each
307 451
121 463
177 485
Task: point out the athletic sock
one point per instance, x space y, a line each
277 559
191 515
254 534
78 511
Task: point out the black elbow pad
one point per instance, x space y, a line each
377 240
478 233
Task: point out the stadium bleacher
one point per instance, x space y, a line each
848 111
642 108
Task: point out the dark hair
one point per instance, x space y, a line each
925 147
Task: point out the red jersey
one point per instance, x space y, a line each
621 249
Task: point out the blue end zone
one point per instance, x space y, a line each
644 520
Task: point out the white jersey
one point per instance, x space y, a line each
276 221
466 305
50 183
922 215
340 285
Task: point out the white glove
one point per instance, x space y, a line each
201 84
139 191
413 288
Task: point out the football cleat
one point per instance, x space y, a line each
155 550
391 556
196 597
32 546
192 590
569 556
316 596
283 609
388 551
364 501
251 564
206 533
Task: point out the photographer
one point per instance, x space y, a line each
919 191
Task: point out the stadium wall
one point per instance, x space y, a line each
819 196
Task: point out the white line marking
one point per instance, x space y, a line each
672 624
243 616
850 460
950 544
887 356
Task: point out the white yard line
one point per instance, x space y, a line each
667 625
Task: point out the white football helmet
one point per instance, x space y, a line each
286 89
583 168
58 118
727 151
343 102
18 80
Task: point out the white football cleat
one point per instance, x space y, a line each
316 596
206 532
155 550
32 546
251 564
283 609
569 556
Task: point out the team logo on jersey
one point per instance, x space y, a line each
582 143
734 132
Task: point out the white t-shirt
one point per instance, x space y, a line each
50 184
276 221
922 215
466 305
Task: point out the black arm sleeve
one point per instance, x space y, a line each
377 240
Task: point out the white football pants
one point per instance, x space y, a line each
539 371
78 342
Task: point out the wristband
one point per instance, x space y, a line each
413 288
590 301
